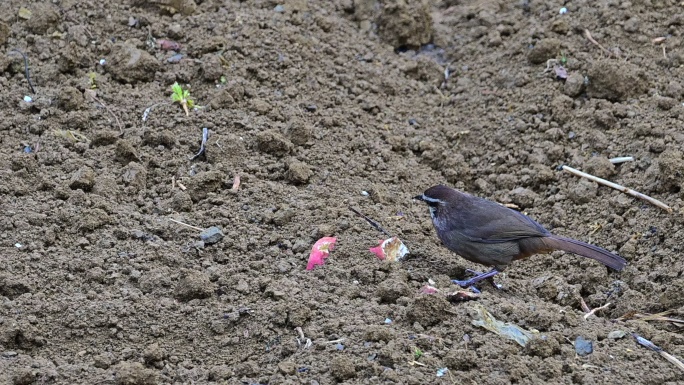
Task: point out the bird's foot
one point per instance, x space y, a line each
468 283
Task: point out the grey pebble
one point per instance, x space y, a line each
583 347
211 235
617 334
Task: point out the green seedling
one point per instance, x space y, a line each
93 82
563 60
183 97
417 353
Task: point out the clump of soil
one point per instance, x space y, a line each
312 107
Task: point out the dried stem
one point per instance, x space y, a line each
92 95
185 224
587 34
618 187
621 159
593 311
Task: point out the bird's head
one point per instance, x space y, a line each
437 198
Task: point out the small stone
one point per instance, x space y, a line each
600 166
212 68
126 152
583 192
632 25
105 137
261 106
274 143
135 175
211 235
203 183
298 172
70 98
665 103
543 347
181 201
4 32
131 65
405 23
544 50
672 297
616 81
560 26
283 216
523 197
153 353
617 334
83 179
44 16
128 373
102 361
342 368
674 89
379 333
287 367
390 291
9 354
583 347
194 285
670 165
574 85
299 134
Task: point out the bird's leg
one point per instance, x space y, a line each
497 286
479 277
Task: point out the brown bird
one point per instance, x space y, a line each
490 234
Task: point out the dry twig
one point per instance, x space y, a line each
91 93
621 159
661 317
594 310
618 187
185 224
587 34
589 311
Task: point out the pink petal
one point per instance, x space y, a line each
320 251
378 251
427 289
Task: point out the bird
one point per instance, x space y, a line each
491 234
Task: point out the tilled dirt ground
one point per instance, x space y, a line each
315 106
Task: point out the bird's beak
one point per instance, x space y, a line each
419 197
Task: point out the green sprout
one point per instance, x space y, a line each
417 353
183 97
563 59
93 82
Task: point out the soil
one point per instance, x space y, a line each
313 106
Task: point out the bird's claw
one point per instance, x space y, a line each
466 285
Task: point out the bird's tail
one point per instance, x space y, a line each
604 256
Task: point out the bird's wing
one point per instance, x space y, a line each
485 221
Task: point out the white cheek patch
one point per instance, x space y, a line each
433 212
433 200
